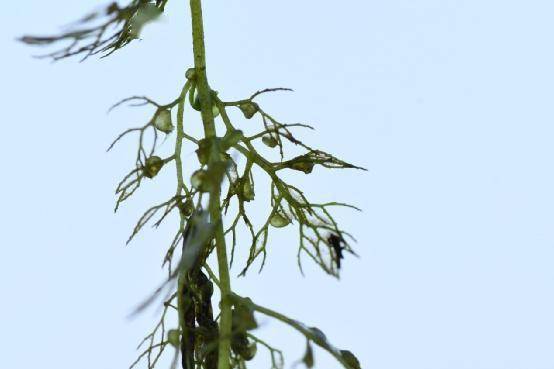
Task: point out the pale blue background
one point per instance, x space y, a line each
449 105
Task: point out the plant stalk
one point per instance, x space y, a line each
205 95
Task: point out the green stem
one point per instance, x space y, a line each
180 186
309 333
179 140
205 96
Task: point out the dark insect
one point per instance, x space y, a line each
197 344
338 245
188 328
207 326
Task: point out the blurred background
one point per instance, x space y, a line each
447 103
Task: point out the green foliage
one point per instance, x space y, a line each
102 32
227 341
308 358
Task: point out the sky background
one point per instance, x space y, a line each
447 103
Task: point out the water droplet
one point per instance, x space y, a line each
185 207
231 138
269 141
249 109
162 121
174 337
279 221
318 334
302 164
196 105
248 190
350 359
215 110
190 73
199 180
152 166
